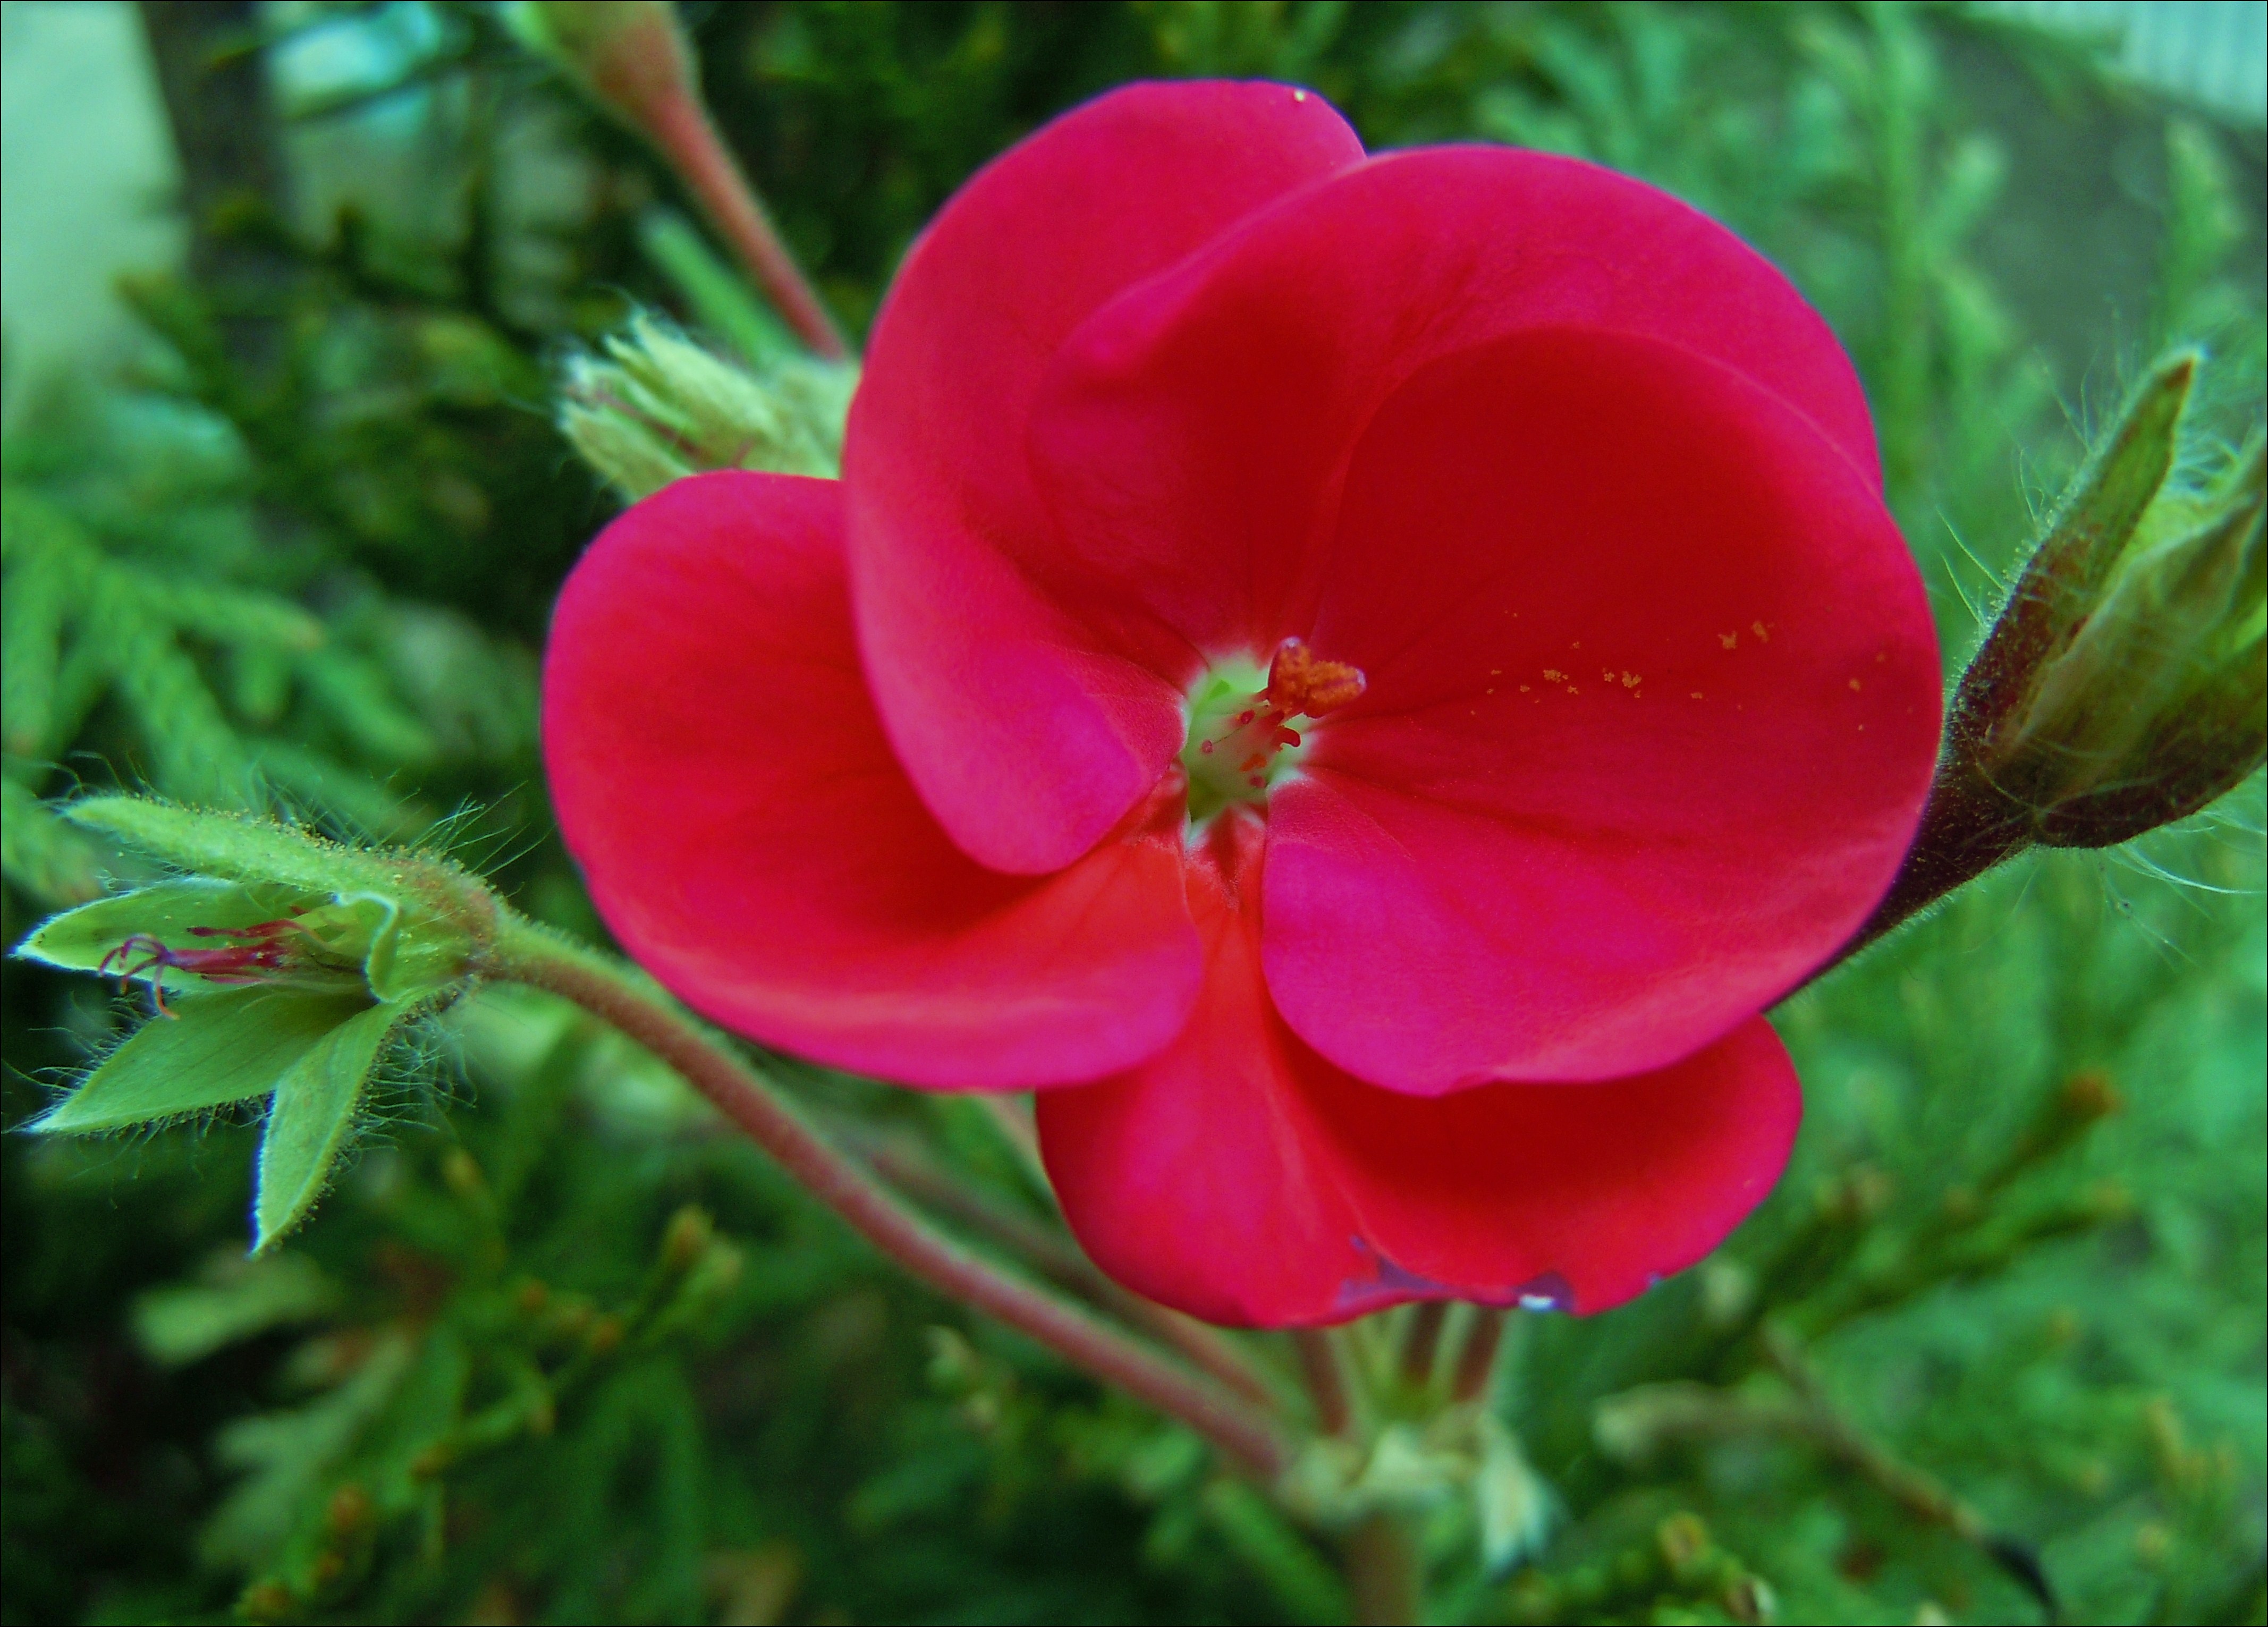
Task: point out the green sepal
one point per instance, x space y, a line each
215 1049
410 921
313 1116
2106 501
244 848
412 955
83 939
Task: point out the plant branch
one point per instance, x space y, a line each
1640 1423
1384 1570
523 952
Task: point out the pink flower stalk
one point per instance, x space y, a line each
1357 678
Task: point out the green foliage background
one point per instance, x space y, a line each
302 558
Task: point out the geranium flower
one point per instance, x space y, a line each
1357 678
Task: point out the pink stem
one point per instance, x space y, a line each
1319 1367
684 131
1478 1360
526 957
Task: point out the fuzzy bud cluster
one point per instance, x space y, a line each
654 407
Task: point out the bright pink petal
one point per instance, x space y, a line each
1029 733
1241 1178
1191 437
719 772
1652 707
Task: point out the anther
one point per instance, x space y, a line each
1299 683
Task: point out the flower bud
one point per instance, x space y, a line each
2121 686
656 407
2155 704
630 55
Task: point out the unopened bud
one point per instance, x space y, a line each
688 1238
656 407
1683 1539
350 1510
2125 685
2091 1095
2158 701
628 55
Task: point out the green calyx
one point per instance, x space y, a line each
2123 686
281 970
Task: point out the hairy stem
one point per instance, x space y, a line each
1058 1258
1477 1362
1326 1380
1421 1340
1966 830
1383 1571
683 128
523 953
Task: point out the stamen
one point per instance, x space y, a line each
1229 721
1302 682
269 951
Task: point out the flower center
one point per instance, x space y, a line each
1240 738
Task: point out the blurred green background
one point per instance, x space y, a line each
287 288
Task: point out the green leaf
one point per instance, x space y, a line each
240 1297
286 1457
215 1049
82 940
41 855
1306 1587
314 1110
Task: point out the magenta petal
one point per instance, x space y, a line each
1653 708
1240 1177
719 773
1191 436
1028 731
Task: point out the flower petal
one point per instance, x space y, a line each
1027 734
1241 1178
746 834
1190 437
1653 708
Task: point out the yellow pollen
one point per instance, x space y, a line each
1758 628
1728 639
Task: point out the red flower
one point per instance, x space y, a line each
1429 966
